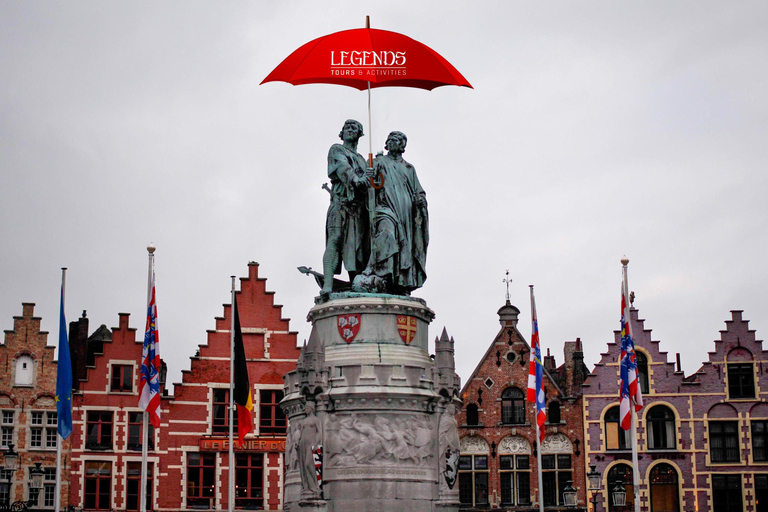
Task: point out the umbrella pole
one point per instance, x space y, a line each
370 133
371 192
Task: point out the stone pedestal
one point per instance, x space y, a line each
380 398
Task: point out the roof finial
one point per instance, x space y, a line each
507 280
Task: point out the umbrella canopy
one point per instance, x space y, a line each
367 58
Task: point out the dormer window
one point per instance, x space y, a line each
25 371
741 380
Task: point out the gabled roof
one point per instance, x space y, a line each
497 338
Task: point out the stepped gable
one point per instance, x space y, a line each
669 379
737 345
26 345
266 336
108 396
26 339
271 352
28 403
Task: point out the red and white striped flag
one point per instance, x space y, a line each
629 390
149 384
536 372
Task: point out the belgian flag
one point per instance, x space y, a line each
242 384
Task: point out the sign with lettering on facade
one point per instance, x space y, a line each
259 444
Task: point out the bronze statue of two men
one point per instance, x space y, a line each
377 223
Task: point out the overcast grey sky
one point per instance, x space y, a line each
594 130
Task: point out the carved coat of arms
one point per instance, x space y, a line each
451 472
349 326
406 327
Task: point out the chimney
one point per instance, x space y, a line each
576 369
679 366
78 349
549 362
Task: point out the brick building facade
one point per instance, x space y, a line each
498 465
107 425
194 429
188 454
28 417
702 439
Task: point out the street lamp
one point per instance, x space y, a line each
11 458
569 495
619 494
593 477
36 484
10 465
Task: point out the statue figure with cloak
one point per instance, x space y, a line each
400 226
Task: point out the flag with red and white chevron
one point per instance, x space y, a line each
536 372
629 390
149 383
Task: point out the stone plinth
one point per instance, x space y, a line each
368 373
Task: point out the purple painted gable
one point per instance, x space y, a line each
707 440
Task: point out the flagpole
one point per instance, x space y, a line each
633 420
231 493
57 500
534 329
145 414
538 463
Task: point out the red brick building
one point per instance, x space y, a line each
194 429
498 465
106 420
188 454
28 417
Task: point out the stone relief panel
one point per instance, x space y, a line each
556 443
383 439
514 444
474 445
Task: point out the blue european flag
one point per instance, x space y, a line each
64 377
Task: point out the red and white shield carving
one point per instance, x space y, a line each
349 326
406 327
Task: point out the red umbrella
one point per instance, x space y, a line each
366 58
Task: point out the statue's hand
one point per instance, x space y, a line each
421 201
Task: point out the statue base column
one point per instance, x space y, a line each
379 396
313 505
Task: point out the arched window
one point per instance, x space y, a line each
664 489
512 406
25 371
615 437
553 412
661 428
621 473
472 415
642 371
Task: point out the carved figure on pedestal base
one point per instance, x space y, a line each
310 445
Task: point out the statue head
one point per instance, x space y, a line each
309 408
349 126
396 142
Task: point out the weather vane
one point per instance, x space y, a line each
507 280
